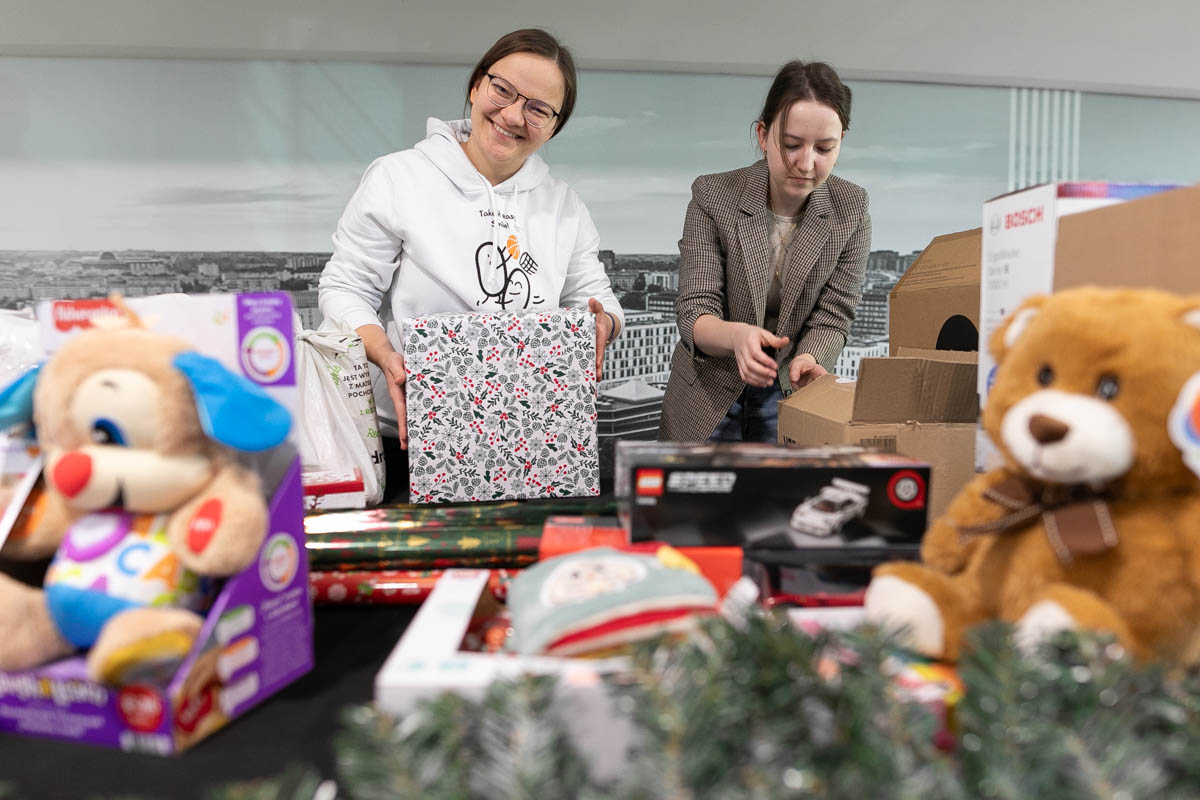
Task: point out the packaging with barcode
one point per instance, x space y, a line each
843 504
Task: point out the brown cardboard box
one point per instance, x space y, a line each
935 306
1151 241
1057 236
919 403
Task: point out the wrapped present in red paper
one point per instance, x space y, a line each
501 405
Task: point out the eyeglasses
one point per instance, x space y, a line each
502 94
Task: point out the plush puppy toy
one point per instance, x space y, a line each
145 501
1093 521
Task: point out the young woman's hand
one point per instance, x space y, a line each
382 354
604 331
393 372
804 370
755 366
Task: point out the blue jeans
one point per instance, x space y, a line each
753 417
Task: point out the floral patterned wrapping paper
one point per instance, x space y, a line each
501 406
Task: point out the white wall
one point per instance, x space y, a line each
1098 45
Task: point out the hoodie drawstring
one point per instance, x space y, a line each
495 227
515 194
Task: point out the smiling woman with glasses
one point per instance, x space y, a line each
468 220
503 94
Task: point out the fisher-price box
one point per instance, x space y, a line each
257 636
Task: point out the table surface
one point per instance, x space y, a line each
294 727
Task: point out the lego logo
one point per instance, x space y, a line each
649 483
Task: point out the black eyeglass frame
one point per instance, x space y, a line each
504 81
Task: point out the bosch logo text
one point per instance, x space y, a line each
1026 216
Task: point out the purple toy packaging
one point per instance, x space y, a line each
257 634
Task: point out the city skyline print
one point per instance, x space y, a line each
103 154
151 176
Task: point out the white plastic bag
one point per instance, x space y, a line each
338 429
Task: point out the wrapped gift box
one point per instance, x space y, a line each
501 406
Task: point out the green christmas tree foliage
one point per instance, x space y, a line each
512 744
1078 720
763 710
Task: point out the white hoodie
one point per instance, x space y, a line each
418 238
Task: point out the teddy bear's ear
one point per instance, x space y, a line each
1015 324
233 410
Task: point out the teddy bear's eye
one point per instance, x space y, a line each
105 431
1107 387
1045 375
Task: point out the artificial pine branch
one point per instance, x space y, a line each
510 745
762 711
753 711
1078 719
295 783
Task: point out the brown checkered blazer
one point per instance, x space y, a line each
725 269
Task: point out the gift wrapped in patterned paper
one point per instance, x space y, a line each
501 405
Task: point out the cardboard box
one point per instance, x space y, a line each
920 403
935 305
832 504
257 636
1057 236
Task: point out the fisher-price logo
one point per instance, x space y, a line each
68 314
140 707
1026 216
278 562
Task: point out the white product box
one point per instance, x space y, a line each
428 661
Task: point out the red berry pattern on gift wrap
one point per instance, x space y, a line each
503 405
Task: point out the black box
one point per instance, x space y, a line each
837 503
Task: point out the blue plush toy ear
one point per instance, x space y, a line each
16 399
233 410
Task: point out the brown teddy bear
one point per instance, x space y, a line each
1093 521
145 500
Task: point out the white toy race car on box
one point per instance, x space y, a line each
826 512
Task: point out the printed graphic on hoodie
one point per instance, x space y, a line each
504 272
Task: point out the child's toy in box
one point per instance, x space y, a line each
177 597
333 490
602 599
845 504
501 405
431 657
589 600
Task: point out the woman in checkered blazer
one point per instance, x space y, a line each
771 268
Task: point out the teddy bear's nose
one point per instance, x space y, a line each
1047 430
72 473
